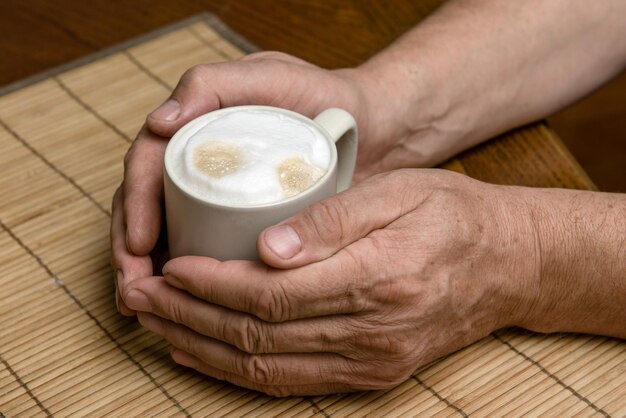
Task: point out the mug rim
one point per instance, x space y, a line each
171 173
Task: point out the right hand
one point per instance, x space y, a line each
266 78
361 294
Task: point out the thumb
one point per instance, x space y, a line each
327 226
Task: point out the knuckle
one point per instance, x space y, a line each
248 336
265 305
195 74
355 298
272 305
357 295
258 369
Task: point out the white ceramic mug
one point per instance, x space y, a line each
197 226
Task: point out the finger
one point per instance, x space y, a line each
246 332
335 286
258 79
117 253
263 369
330 225
126 266
270 295
143 192
188 360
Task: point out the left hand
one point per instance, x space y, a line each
364 287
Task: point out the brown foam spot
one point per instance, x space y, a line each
296 175
217 159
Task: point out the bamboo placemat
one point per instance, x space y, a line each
64 350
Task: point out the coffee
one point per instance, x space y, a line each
252 157
217 159
296 175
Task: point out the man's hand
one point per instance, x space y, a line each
264 78
364 287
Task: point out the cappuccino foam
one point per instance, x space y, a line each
252 157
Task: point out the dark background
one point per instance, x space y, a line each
39 34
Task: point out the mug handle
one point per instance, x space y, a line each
341 127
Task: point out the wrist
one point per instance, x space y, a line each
511 256
392 90
420 105
577 252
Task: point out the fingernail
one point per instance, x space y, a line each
150 322
167 111
283 241
138 301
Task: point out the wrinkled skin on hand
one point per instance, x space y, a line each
399 270
266 78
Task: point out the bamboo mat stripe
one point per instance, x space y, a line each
23 385
93 112
147 71
53 167
60 174
59 283
438 396
556 379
